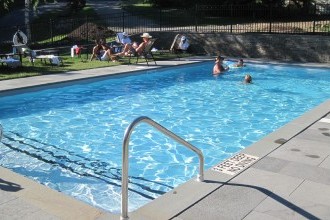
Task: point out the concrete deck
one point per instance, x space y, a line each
289 180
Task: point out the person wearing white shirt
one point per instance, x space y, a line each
125 39
184 43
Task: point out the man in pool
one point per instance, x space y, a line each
218 66
247 79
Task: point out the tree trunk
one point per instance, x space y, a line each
27 18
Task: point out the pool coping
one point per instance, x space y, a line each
27 84
166 206
35 83
184 196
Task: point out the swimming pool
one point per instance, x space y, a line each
70 138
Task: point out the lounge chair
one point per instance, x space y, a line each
38 54
20 47
146 53
180 44
10 62
19 38
122 38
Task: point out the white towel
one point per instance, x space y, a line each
55 60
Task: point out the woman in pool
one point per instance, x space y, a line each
240 63
218 66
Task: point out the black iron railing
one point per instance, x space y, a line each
201 18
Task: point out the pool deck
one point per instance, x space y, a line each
290 178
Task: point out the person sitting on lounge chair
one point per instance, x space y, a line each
123 38
135 48
184 43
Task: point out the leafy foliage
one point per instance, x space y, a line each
191 3
172 3
5 5
76 5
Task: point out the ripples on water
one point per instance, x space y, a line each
71 138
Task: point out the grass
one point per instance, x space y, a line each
70 64
41 68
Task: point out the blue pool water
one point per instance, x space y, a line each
70 138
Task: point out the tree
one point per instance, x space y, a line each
30 6
77 4
5 3
27 12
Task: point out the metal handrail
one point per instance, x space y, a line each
1 132
124 178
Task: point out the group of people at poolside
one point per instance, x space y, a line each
102 51
219 68
105 53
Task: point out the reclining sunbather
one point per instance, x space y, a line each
130 49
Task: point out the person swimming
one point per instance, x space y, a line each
240 63
247 79
218 66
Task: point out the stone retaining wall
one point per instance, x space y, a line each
282 47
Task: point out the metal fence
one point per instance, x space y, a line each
200 18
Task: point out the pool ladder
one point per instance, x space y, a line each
124 179
1 132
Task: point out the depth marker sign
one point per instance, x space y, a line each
235 164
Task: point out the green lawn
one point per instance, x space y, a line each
40 68
70 64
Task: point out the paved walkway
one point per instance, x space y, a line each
111 12
104 8
286 175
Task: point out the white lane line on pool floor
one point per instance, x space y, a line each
235 164
325 120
